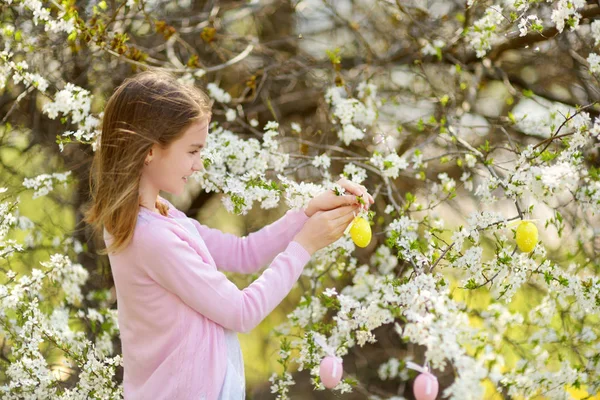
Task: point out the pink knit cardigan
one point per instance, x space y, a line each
173 300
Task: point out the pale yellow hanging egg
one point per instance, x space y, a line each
526 236
360 232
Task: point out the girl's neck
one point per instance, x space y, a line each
159 208
149 209
149 203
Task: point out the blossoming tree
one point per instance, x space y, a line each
473 124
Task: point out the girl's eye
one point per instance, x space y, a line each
194 152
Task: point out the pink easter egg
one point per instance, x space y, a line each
330 371
425 387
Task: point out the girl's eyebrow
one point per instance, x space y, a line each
199 145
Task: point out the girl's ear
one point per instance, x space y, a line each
148 157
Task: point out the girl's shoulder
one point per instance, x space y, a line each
153 230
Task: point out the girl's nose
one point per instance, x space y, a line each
198 166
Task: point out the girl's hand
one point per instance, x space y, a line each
325 227
328 200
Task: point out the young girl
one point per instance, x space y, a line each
178 313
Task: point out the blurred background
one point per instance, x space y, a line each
277 59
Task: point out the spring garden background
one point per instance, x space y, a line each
462 118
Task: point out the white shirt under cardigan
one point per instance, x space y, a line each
234 385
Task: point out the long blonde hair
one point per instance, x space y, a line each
149 108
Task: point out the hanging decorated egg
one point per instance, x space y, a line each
360 231
526 236
425 387
330 371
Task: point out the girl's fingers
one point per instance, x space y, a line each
358 190
348 200
345 221
367 195
342 212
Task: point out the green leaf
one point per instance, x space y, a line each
528 93
334 56
444 100
471 284
548 156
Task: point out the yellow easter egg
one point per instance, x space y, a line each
527 236
360 232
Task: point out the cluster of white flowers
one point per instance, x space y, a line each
543 182
566 10
355 173
535 376
432 321
471 261
367 93
588 195
75 102
560 176
595 30
390 165
238 167
594 61
485 190
71 101
217 93
391 369
447 184
470 159
280 384
187 79
529 21
8 220
384 260
297 195
432 48
271 131
311 310
71 276
483 34
230 114
29 373
44 15
321 161
404 232
44 183
19 73
354 115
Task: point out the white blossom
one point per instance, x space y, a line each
217 93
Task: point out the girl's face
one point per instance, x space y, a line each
169 169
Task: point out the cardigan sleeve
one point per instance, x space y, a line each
174 265
250 253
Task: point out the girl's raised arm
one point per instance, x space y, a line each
175 265
248 254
